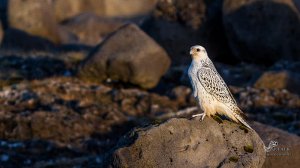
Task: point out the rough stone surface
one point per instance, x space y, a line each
279 80
178 25
105 8
262 30
34 17
286 154
191 143
76 7
191 12
129 8
129 55
67 110
90 29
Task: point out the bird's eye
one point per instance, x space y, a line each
197 49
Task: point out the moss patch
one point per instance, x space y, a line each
243 128
217 118
248 148
233 159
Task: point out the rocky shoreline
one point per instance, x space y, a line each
95 86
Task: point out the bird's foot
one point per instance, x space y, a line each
202 115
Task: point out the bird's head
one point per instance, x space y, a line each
198 52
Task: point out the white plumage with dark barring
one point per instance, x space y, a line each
210 90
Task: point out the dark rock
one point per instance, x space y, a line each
190 143
178 25
278 108
17 68
78 122
25 42
34 17
17 64
74 110
181 94
262 31
38 153
90 29
257 98
279 80
286 154
3 13
129 55
174 37
293 66
1 33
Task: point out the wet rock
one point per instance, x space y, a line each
278 108
75 111
129 55
293 66
37 153
252 97
16 66
286 153
190 143
25 42
279 80
34 17
90 29
262 31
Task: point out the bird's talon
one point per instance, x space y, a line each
202 115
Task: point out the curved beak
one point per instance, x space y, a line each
191 52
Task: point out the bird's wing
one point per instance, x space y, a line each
215 85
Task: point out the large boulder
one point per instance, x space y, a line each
76 7
129 8
286 153
105 8
262 31
190 143
178 25
34 17
279 80
90 29
190 12
129 55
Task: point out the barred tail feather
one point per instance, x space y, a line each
238 115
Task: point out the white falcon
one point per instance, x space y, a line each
210 90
